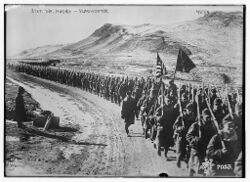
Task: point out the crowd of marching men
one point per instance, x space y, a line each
205 127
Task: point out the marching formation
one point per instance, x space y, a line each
205 127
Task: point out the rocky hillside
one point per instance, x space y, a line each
214 42
36 52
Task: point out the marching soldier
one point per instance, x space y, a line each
138 94
20 112
213 96
181 126
223 150
128 111
117 84
123 89
165 118
148 109
218 111
198 136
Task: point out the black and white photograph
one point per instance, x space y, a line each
124 90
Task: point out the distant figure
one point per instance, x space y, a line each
128 111
20 113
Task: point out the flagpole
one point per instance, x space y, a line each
174 73
162 92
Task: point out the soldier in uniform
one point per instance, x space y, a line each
20 112
213 96
198 136
112 89
116 90
181 126
138 94
184 100
173 88
128 111
165 118
141 108
218 111
131 85
147 113
123 89
223 150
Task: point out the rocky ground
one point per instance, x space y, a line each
97 144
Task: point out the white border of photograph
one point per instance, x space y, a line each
165 2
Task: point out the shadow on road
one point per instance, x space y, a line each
171 158
88 143
133 136
65 129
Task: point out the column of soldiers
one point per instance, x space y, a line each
204 127
112 88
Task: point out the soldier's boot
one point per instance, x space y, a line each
143 130
166 154
126 129
191 173
178 162
137 115
154 145
159 150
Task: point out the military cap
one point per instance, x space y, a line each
190 106
184 95
128 92
213 90
21 89
217 101
227 119
171 81
206 112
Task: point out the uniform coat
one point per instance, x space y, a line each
165 131
20 112
222 163
198 144
128 110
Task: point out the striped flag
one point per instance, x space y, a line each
160 67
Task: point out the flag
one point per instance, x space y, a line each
184 63
160 67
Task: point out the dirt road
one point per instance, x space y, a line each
108 150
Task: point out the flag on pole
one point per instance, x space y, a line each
160 67
184 63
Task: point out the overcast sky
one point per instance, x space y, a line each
28 28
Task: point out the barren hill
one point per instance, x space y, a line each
38 51
214 42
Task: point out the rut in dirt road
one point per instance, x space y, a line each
100 123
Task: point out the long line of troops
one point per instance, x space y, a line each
205 128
